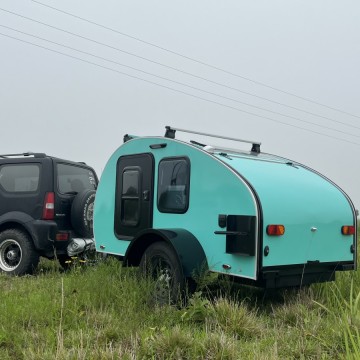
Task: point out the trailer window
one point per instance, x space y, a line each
173 185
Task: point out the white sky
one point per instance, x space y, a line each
71 109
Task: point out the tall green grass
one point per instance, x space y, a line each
107 312
341 302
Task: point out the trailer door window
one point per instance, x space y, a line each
130 200
173 185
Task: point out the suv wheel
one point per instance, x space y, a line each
17 253
82 213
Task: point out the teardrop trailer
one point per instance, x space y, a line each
259 218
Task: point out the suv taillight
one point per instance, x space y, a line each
49 206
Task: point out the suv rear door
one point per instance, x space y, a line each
70 179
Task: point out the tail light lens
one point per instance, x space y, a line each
348 230
275 230
62 236
49 206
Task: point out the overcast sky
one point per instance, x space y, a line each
73 109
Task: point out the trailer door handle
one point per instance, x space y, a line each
146 195
234 233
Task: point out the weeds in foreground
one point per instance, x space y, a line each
346 313
107 312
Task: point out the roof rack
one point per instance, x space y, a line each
170 133
29 153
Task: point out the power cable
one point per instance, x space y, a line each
178 82
178 91
196 60
178 70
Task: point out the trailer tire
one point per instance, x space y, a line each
18 255
160 262
82 210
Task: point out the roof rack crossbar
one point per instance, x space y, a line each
170 132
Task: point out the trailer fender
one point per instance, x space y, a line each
185 245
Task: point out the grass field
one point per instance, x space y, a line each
107 312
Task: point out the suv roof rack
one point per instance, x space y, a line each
170 133
29 153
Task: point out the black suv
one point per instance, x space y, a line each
44 203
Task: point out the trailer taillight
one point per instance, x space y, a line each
275 230
49 206
348 230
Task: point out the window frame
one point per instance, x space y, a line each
187 186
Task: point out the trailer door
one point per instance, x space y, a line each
134 195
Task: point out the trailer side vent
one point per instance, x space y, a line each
240 234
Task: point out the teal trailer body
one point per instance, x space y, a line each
259 218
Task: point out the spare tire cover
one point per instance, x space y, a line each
82 210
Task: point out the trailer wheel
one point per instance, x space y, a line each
161 263
17 253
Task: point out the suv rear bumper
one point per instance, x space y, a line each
44 236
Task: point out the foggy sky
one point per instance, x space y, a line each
72 109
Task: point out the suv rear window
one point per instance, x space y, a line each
20 178
73 178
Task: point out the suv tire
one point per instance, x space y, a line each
17 253
82 210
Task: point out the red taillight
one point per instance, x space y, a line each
49 206
275 230
348 230
62 236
